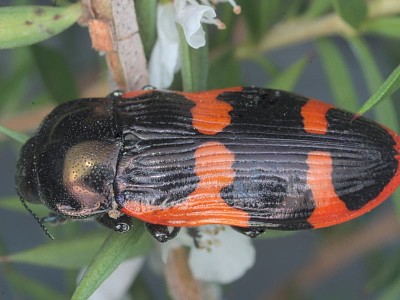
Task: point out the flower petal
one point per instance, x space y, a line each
190 18
226 257
164 60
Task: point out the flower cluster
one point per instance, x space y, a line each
189 15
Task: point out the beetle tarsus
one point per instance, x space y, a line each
121 224
116 94
161 232
250 232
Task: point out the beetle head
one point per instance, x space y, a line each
70 164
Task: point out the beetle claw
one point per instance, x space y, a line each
161 232
121 224
249 231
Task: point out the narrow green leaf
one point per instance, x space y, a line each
55 72
268 67
392 291
384 274
57 253
35 289
260 15
317 8
353 12
338 75
115 250
146 11
288 78
17 136
14 204
194 66
389 26
389 86
224 71
13 85
273 234
374 80
26 25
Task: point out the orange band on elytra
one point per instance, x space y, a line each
210 115
314 116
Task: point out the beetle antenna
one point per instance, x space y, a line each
46 231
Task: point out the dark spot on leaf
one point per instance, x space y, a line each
49 32
28 23
56 17
39 11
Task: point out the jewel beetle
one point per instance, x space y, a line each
251 158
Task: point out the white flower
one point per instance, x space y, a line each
164 60
189 14
117 285
222 255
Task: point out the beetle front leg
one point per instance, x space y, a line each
161 232
252 232
121 224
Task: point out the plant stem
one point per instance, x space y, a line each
114 31
302 30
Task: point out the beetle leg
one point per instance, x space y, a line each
149 87
121 224
252 232
116 94
161 232
194 232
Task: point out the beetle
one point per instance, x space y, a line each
251 158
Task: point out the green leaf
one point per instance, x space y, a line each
273 234
392 291
194 66
146 11
17 136
353 12
390 85
385 274
13 85
57 253
385 90
114 251
224 71
389 26
55 73
35 289
26 25
260 15
14 204
317 8
338 75
287 79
